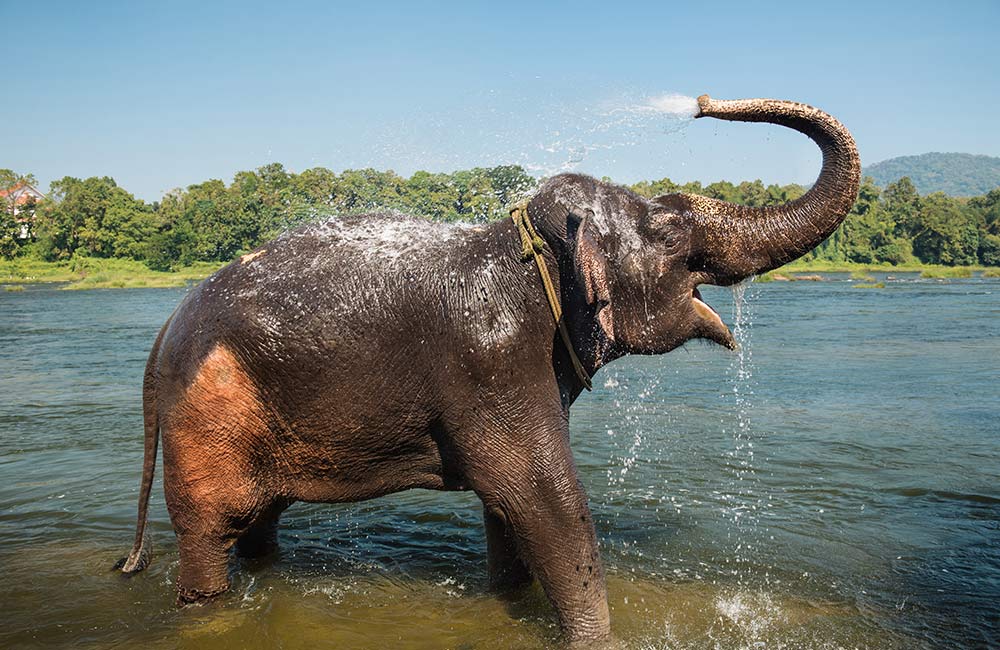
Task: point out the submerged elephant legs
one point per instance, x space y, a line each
557 539
208 526
207 531
261 538
507 571
226 486
216 494
538 524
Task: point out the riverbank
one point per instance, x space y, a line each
98 273
813 270
825 266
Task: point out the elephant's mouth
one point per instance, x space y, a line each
709 324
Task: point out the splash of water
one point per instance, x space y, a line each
673 104
631 411
527 126
745 502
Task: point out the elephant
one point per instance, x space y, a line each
365 355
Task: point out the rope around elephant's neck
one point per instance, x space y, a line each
532 246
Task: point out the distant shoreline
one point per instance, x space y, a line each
99 273
807 270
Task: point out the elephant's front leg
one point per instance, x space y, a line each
507 571
535 487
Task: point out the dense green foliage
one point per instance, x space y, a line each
898 226
955 174
213 222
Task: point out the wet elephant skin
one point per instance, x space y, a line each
370 354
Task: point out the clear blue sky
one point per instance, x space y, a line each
162 95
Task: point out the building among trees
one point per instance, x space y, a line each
20 201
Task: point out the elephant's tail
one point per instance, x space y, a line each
138 558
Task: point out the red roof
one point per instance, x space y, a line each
27 193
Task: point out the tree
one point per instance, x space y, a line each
92 217
477 200
947 235
865 227
510 183
988 207
316 186
753 194
173 239
902 203
724 191
432 195
989 249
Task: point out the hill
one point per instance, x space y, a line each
955 174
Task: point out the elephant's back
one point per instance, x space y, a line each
327 299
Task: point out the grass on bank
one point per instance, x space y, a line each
862 272
956 272
824 266
99 273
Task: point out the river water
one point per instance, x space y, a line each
835 484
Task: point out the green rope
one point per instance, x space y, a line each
532 246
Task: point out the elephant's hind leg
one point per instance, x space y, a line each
205 552
213 434
261 538
204 570
210 515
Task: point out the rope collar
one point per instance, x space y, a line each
532 246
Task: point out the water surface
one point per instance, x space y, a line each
834 485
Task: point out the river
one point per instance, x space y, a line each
835 484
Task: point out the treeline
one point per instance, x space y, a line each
899 226
215 222
892 226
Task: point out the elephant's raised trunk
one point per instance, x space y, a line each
731 242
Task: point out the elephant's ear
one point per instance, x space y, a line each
592 272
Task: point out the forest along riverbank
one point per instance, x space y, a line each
835 487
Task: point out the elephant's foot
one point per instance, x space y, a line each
204 570
195 596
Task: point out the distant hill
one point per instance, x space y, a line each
956 174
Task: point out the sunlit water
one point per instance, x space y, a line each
834 484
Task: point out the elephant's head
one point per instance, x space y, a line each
634 265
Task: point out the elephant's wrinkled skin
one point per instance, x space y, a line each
367 355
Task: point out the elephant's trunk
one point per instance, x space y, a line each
731 242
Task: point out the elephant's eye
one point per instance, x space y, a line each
662 222
667 236
656 227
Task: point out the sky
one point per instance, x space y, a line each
164 95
